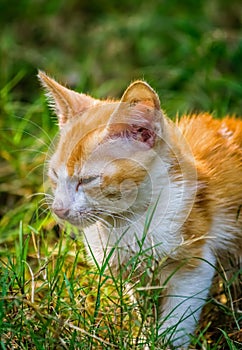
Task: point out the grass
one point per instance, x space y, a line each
52 299
50 295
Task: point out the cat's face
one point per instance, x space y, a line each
100 168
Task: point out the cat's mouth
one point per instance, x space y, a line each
83 218
86 217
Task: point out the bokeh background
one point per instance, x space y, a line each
190 51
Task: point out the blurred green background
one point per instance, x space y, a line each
190 51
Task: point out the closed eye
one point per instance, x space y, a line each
86 180
53 173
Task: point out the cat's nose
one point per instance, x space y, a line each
62 213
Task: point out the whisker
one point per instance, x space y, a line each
49 203
103 221
28 149
34 168
93 218
46 198
42 142
44 206
116 215
43 131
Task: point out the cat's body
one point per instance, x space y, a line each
127 175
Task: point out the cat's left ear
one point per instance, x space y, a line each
138 115
66 103
141 92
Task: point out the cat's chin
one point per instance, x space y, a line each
82 226
81 223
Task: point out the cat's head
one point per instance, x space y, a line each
101 164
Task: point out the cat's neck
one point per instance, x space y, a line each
156 224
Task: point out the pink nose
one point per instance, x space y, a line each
62 213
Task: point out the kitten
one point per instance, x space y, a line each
129 177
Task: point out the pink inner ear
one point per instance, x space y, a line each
136 132
142 134
134 121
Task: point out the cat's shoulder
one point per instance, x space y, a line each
205 130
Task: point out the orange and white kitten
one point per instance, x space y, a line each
138 185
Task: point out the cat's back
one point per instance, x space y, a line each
203 131
217 149
214 143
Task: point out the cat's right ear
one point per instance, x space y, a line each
66 103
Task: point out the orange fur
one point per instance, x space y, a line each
218 155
